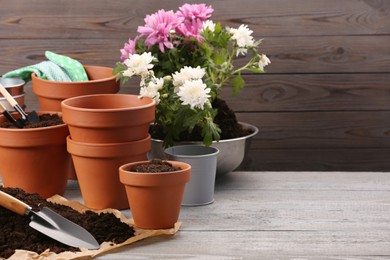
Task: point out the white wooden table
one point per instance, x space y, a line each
279 215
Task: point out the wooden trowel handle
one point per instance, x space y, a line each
8 96
13 204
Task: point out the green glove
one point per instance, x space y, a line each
73 68
44 70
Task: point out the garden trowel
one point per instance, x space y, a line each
51 224
16 122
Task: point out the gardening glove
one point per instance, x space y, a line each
58 68
73 68
45 70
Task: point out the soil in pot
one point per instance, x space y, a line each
155 165
103 226
44 121
225 119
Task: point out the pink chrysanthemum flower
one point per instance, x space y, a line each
158 27
195 11
191 29
128 49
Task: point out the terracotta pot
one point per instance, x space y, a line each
108 118
155 198
51 93
97 170
34 159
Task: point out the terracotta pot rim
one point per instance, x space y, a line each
79 82
160 179
125 168
105 145
46 128
65 104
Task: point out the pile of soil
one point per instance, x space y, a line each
17 234
45 120
225 119
155 165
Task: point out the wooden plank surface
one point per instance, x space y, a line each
325 96
333 54
279 215
96 19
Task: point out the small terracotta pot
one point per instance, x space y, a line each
108 118
155 198
34 159
51 93
97 166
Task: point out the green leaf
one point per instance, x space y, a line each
219 57
256 70
210 131
237 84
119 68
218 28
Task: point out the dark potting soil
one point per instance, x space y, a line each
15 232
225 119
155 165
44 121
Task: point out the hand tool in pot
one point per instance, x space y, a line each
16 122
51 224
32 117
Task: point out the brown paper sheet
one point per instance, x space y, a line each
104 247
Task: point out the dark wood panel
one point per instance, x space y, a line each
312 92
287 130
328 54
97 19
317 160
341 54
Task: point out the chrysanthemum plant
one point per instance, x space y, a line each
184 59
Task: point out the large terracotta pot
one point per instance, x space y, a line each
155 198
51 93
97 166
108 118
34 159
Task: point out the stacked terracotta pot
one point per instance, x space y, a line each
50 93
106 131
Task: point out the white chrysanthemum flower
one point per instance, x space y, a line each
243 38
264 61
242 51
209 24
194 93
151 89
138 64
187 73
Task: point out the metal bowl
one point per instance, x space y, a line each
231 151
14 86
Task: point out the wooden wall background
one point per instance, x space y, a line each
323 105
